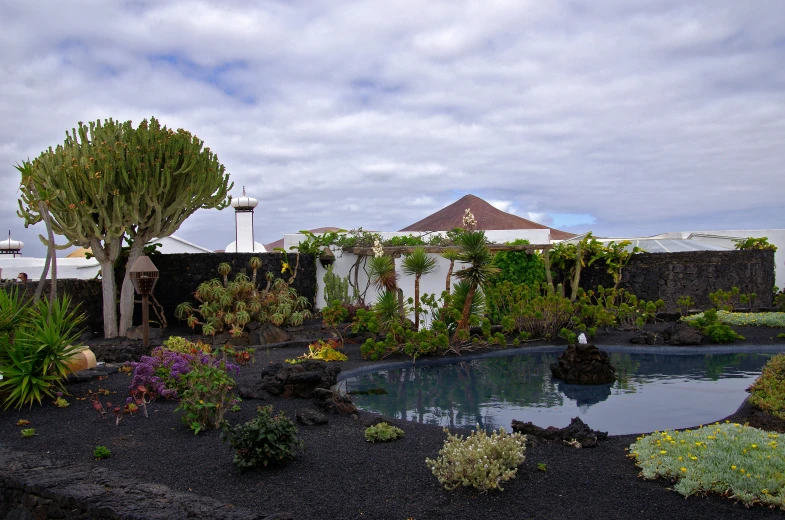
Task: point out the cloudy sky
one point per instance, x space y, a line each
625 117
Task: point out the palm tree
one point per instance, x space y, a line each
418 263
474 252
452 256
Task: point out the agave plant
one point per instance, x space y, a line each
34 361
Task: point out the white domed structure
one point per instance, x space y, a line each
243 219
11 247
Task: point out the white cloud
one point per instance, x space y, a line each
650 116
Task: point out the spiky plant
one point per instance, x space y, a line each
417 264
473 250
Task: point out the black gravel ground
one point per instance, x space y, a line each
339 475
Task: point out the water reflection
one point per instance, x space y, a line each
652 391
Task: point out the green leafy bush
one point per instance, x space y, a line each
37 342
101 452
709 324
732 460
768 391
519 267
204 397
480 460
263 440
754 243
383 432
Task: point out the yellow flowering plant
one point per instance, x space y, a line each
730 459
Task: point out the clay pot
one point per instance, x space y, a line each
82 360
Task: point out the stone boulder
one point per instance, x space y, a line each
310 417
299 380
648 338
332 402
138 332
267 333
681 333
576 432
584 365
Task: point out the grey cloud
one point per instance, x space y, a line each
651 116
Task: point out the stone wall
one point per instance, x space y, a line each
86 293
669 276
32 487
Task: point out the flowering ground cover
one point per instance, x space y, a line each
339 474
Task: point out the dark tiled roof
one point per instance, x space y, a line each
486 215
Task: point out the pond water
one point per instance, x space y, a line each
656 388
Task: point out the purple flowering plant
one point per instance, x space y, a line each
162 372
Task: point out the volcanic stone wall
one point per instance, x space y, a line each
33 486
181 274
86 293
669 276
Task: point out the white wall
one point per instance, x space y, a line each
433 283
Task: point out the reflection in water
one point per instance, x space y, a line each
652 391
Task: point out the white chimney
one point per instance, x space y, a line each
243 219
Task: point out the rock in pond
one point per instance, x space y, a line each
584 365
577 433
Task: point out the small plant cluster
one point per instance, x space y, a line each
101 452
754 243
768 391
264 440
140 397
710 325
732 460
37 341
383 432
328 350
480 460
229 306
201 380
728 300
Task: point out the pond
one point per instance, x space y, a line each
656 388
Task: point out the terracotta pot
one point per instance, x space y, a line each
82 360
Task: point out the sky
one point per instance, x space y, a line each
621 117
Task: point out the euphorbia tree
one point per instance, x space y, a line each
473 250
109 179
417 264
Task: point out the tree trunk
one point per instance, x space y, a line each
127 290
44 274
467 309
447 282
106 257
417 303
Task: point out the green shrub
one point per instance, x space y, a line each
743 244
768 391
383 432
263 440
34 353
27 433
709 324
101 452
480 460
519 267
729 459
203 400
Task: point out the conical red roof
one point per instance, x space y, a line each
486 215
